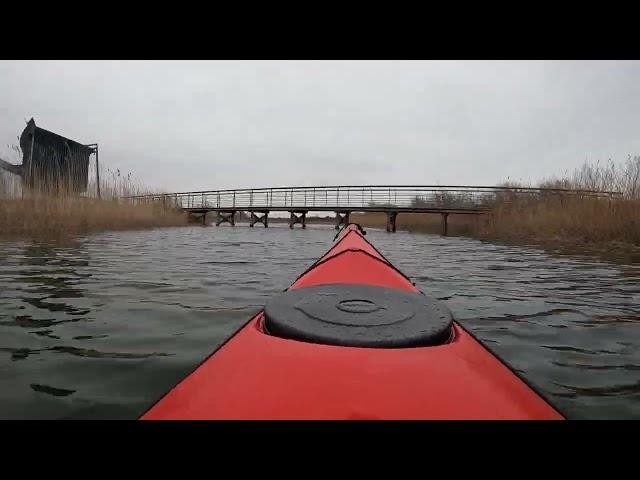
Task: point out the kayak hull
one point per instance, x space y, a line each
255 375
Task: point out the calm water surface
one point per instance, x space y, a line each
102 326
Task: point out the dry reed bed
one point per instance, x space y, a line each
580 220
575 220
551 221
39 215
54 216
534 220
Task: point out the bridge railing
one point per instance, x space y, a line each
354 197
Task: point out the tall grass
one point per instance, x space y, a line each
623 178
10 186
574 219
549 218
565 220
25 213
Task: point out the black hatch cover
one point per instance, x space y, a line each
359 316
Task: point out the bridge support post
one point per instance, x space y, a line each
197 217
342 218
298 217
263 219
229 216
445 216
391 221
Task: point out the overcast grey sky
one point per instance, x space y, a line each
182 125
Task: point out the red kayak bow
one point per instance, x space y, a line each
352 338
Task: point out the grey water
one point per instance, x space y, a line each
102 326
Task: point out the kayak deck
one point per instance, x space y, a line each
257 375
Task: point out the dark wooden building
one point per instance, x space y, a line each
52 163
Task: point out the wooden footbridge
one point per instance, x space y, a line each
346 199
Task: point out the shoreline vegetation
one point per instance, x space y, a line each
606 228
52 216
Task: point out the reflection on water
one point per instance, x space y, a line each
102 326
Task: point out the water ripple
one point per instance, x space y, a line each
112 321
